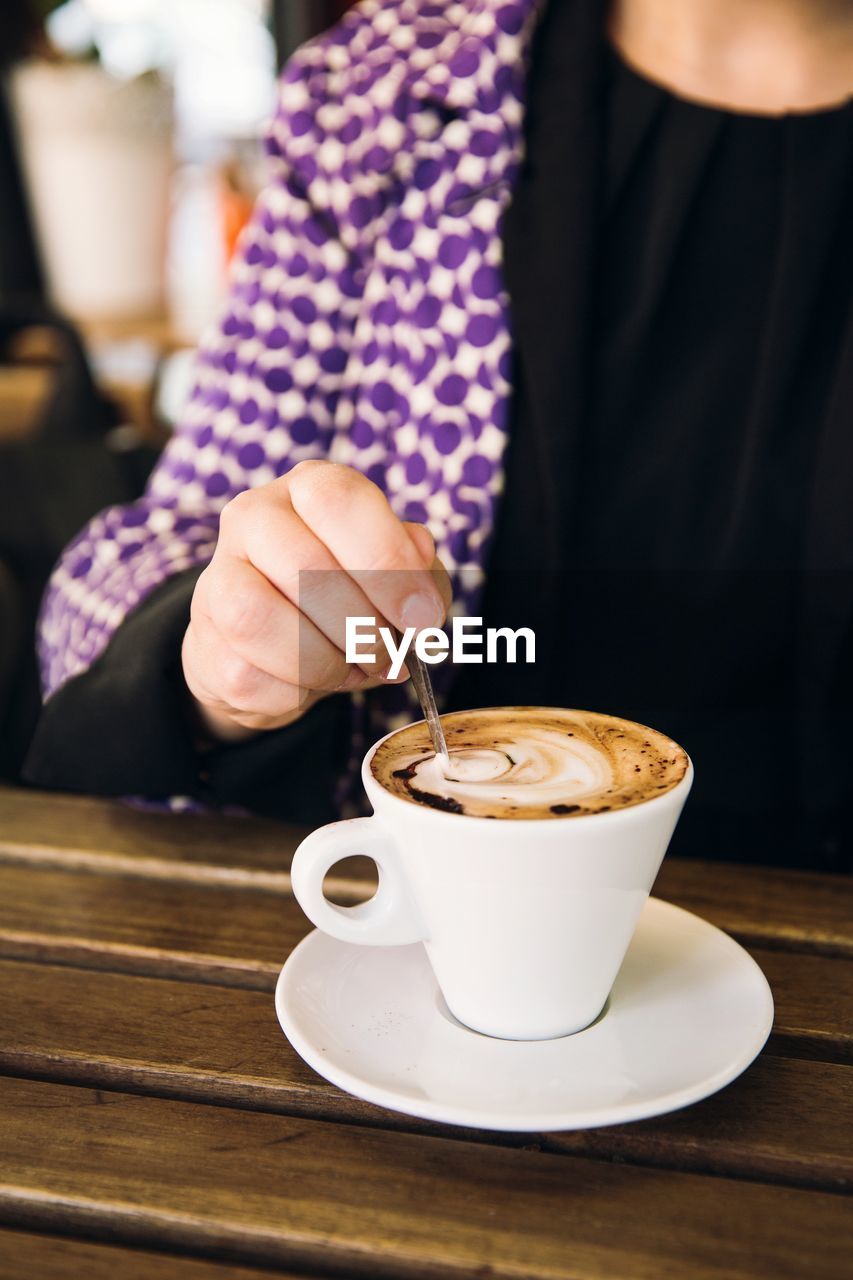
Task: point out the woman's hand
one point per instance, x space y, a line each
264 644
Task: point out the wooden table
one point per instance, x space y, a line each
155 1122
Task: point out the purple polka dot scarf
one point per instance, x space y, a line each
367 320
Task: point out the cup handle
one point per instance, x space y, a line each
389 919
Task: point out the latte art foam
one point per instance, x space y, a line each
529 762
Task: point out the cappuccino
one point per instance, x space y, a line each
530 762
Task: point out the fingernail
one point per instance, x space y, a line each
354 680
402 674
421 610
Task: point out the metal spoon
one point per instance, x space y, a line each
426 697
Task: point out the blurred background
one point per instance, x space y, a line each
130 155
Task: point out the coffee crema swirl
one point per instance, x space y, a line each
530 762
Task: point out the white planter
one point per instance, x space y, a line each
97 159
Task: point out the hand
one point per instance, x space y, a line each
262 645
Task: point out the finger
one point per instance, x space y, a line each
352 518
441 578
218 677
262 527
423 540
267 631
425 544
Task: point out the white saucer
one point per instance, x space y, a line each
689 1012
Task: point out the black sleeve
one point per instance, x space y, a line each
122 728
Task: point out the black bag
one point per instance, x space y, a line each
51 483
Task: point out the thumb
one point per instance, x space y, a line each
423 541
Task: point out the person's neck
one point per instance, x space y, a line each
764 56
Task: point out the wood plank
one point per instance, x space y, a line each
814 1004
212 933
241 937
42 1257
103 835
91 834
769 907
784 1121
271 1189
795 910
791 908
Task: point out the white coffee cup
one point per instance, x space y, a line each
525 921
